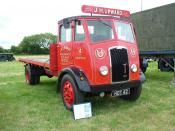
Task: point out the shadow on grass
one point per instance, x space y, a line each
109 104
50 83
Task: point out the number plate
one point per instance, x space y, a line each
122 92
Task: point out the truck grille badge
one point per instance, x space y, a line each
124 65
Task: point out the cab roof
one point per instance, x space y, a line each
94 16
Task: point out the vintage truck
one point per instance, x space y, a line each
94 55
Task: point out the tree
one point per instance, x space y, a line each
37 44
15 49
1 49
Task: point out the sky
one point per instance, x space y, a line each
19 18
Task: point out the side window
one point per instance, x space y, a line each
79 31
65 34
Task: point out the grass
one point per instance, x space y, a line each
40 107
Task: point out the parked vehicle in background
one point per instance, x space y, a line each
156 38
6 57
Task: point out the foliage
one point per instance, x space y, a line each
35 44
15 49
1 50
40 108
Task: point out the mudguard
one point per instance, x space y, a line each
83 85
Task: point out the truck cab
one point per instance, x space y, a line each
104 48
95 55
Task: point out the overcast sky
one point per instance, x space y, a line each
19 18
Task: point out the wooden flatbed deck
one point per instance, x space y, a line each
43 62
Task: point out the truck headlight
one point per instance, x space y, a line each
103 70
134 68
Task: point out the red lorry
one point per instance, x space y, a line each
93 55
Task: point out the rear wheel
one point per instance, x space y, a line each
70 92
134 94
31 77
164 66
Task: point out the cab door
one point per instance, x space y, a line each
65 46
81 49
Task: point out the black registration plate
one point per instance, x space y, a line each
122 92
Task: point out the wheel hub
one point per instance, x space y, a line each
27 76
68 94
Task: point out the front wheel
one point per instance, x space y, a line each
134 94
143 64
70 92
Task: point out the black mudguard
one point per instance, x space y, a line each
83 85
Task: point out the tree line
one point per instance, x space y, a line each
34 44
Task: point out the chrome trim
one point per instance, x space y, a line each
118 47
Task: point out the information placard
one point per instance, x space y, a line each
82 110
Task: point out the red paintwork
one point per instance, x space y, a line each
68 94
82 54
31 61
47 66
53 57
27 76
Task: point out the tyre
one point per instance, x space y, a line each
37 79
70 92
143 65
144 69
31 77
163 66
134 94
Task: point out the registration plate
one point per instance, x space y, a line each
122 92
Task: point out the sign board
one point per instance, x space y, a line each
82 110
105 11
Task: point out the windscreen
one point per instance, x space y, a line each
100 30
124 31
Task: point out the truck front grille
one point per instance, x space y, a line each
120 65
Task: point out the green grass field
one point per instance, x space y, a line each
39 108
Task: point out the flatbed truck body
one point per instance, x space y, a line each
42 62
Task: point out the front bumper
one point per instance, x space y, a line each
116 86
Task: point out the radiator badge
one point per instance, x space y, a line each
124 66
80 50
100 53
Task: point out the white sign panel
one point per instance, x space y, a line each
82 111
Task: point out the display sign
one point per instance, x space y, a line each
105 11
82 111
